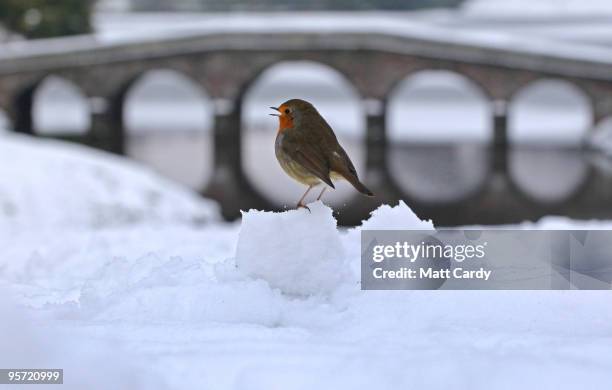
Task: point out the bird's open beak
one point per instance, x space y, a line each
275 108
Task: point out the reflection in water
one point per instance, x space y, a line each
548 175
428 173
439 173
181 156
437 153
428 113
443 173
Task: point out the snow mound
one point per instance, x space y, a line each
48 184
175 290
279 256
399 217
153 288
297 251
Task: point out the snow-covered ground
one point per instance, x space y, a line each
54 185
271 302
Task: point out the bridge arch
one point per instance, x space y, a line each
550 110
60 108
450 94
167 121
335 98
52 105
549 122
439 125
323 61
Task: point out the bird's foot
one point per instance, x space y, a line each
302 205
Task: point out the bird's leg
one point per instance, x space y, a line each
322 191
300 202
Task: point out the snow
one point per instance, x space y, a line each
298 252
88 363
439 26
407 25
557 21
272 301
49 185
399 217
157 289
128 298
107 272
540 7
121 29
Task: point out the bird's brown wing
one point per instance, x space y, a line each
322 135
308 154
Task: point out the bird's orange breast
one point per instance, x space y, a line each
285 122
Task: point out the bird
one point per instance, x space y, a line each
309 152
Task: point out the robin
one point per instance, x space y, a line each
307 149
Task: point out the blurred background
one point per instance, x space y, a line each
440 123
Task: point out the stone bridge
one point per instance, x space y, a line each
226 64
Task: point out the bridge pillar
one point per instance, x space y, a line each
378 178
22 111
602 108
500 136
107 131
227 183
376 137
376 140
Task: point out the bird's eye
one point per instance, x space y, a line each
287 111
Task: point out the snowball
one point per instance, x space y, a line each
297 251
395 218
